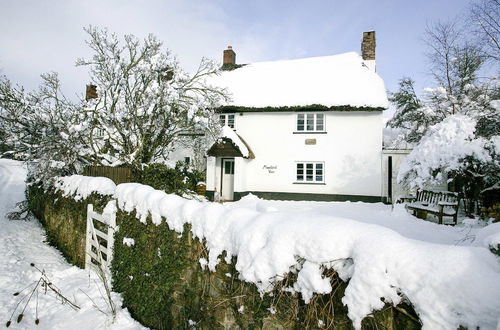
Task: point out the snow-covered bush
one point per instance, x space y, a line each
39 128
455 126
448 147
456 135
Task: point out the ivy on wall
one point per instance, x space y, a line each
164 286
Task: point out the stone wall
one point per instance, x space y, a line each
165 287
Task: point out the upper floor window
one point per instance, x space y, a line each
311 172
226 120
310 122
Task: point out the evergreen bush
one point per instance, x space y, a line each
179 180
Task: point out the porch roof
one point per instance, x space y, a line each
230 144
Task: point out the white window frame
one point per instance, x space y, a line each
305 117
99 132
224 119
316 172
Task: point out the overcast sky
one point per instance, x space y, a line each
47 35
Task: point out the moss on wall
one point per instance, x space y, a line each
64 220
164 286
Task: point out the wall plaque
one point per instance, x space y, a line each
310 142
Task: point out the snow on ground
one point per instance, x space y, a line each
22 243
447 273
397 219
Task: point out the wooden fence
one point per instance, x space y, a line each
117 174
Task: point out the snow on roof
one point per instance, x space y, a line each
228 133
338 80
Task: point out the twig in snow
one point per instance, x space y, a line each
45 283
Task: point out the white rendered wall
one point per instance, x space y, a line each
351 151
214 168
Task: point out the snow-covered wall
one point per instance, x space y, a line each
448 285
350 148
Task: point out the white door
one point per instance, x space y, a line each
227 190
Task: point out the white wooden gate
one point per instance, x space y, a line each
99 241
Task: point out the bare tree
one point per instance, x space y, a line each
484 17
453 60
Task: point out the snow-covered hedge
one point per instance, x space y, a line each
447 285
80 187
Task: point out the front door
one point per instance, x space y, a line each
227 187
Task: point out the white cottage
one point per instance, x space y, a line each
306 129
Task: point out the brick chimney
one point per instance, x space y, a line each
368 49
90 92
229 57
368 46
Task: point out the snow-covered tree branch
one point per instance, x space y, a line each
146 101
39 127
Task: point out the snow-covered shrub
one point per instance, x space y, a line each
462 92
456 135
445 148
161 272
453 147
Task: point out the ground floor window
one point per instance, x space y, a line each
310 172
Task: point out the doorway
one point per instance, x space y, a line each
227 178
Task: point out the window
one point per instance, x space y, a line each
310 122
99 132
228 167
226 120
312 172
187 160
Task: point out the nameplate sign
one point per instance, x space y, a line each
310 142
270 168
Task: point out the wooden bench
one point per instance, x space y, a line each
440 203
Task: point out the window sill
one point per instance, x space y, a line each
313 183
309 132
